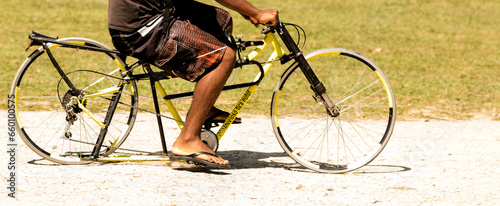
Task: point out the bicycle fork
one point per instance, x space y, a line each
317 86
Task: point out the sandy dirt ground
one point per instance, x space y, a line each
425 163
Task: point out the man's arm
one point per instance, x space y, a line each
268 17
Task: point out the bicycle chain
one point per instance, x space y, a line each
144 110
161 115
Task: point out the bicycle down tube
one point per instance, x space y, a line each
277 54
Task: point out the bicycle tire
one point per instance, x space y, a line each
40 93
315 139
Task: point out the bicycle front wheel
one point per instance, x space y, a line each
44 120
317 140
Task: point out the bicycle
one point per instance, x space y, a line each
332 110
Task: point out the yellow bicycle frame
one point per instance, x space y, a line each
278 53
270 39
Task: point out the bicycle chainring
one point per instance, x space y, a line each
210 139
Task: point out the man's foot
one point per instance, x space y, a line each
219 116
192 158
196 151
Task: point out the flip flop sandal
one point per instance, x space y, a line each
190 159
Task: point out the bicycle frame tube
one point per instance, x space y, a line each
58 68
107 121
270 39
170 105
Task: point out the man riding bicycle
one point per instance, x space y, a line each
193 41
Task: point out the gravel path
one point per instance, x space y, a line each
425 162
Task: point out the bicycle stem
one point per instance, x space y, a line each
316 85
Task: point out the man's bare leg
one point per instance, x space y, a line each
206 92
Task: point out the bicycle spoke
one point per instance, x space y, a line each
68 132
321 141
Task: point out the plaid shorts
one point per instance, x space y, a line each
194 44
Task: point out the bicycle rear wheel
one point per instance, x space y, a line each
315 139
44 122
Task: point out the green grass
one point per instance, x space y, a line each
441 57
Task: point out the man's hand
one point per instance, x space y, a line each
267 17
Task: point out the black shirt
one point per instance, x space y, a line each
131 15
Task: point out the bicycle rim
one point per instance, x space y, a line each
323 143
40 95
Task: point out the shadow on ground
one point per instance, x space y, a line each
242 159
